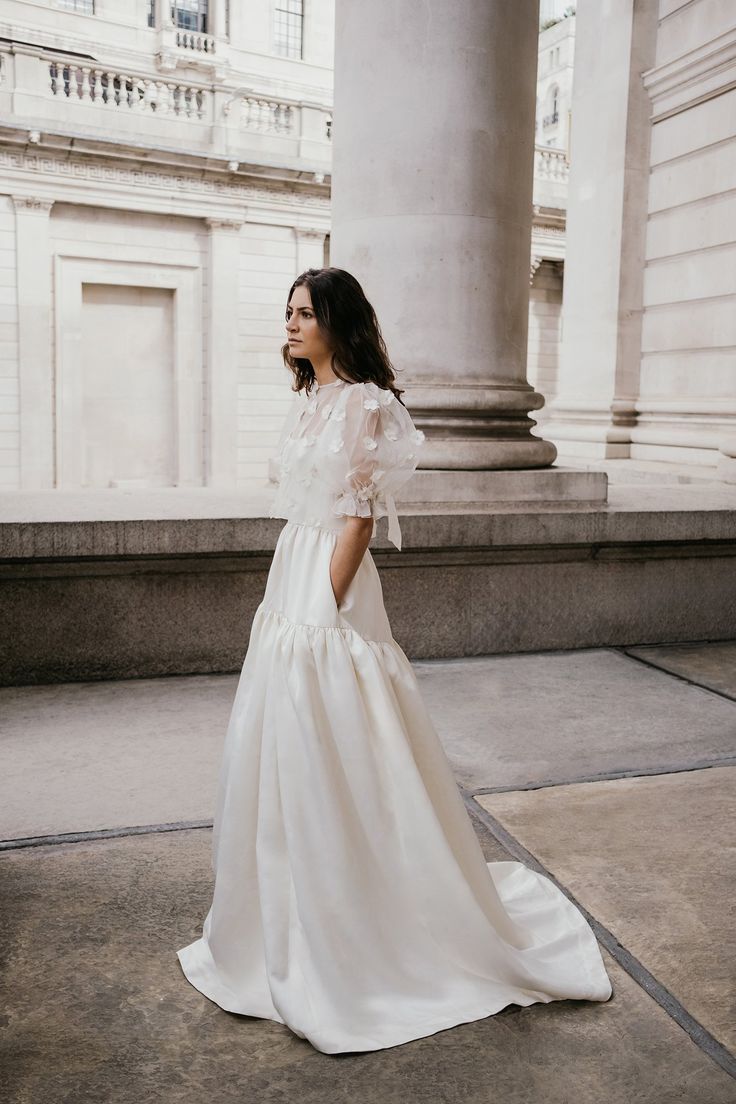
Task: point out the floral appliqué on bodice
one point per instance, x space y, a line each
345 450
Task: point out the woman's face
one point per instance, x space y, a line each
306 339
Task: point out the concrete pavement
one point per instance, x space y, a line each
612 772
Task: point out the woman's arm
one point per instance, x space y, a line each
349 551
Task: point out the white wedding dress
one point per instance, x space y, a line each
352 901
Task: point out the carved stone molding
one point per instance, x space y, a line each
305 233
233 226
190 184
32 204
695 76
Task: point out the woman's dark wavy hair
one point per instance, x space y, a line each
350 325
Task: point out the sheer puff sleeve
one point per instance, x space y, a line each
371 454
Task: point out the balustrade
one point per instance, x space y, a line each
104 87
192 40
267 116
551 164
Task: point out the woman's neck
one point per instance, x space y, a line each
323 371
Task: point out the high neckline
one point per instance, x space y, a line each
321 386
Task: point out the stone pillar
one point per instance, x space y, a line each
33 275
222 352
432 211
163 14
216 21
598 382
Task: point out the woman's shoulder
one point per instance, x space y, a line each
370 395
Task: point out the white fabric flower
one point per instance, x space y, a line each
370 404
385 397
391 435
336 445
311 406
338 416
418 437
369 443
326 411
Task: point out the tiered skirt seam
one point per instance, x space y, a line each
346 630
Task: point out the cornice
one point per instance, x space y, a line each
693 78
40 178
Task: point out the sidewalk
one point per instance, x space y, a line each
608 769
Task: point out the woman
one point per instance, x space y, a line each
352 901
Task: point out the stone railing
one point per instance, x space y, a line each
551 164
262 114
193 40
54 94
121 90
267 116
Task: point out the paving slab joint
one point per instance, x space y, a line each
633 967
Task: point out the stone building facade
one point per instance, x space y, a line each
555 63
648 355
164 173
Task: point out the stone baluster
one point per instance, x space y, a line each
85 94
96 86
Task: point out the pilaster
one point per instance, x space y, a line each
33 273
222 350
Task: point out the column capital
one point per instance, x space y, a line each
32 204
310 233
231 225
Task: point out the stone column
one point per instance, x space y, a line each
598 382
222 351
216 21
33 275
163 14
432 211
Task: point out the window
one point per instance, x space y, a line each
288 18
190 15
151 13
84 7
552 115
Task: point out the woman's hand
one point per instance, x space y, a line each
348 554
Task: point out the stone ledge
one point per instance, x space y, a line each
421 532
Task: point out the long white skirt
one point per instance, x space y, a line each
352 901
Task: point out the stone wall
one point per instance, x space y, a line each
545 311
687 391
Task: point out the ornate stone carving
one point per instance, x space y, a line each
190 183
32 203
231 225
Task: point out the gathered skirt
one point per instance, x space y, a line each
352 901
